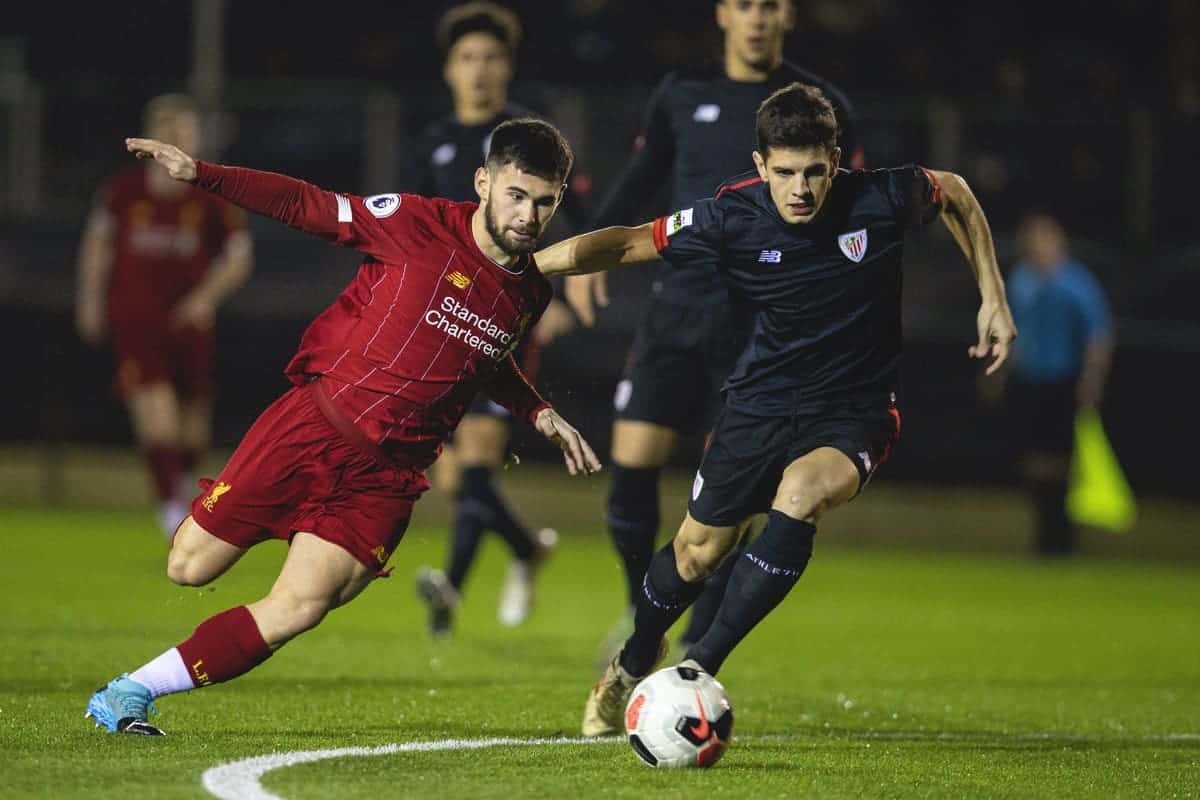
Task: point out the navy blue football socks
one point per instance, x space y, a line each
704 610
665 595
633 519
761 578
479 508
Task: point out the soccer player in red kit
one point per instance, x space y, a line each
157 258
381 378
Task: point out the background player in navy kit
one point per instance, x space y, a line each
480 41
697 133
809 411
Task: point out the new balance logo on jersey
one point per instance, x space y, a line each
707 112
854 244
458 279
770 257
697 486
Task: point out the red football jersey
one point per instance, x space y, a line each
163 245
428 321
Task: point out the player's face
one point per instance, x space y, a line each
181 129
799 179
755 29
478 70
517 206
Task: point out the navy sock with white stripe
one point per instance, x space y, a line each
761 578
665 595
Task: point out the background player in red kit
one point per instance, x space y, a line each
381 378
157 258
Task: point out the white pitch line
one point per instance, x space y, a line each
241 780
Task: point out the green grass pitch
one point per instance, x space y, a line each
885 674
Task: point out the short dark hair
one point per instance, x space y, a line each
798 115
534 146
479 17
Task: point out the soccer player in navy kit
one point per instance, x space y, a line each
479 40
809 411
697 132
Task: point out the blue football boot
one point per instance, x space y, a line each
122 707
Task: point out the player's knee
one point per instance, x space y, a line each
696 560
186 570
694 565
806 496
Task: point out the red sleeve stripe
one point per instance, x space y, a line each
733 187
937 187
660 233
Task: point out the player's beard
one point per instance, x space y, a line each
501 239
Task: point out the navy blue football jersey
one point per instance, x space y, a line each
447 153
698 130
825 295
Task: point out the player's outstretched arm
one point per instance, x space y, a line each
340 218
962 214
598 250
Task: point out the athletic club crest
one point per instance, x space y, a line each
854 244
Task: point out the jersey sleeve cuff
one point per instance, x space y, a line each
537 409
937 187
659 229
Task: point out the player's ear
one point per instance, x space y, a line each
722 15
789 15
760 164
835 158
483 183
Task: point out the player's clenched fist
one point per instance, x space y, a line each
179 165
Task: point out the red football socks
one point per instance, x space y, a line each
166 465
223 647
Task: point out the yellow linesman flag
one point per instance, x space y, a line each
1099 494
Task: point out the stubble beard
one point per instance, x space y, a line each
509 248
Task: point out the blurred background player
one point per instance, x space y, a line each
480 41
157 259
1060 365
697 131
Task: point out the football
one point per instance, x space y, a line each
679 717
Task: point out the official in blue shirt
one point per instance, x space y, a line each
1060 364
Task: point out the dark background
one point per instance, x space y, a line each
1089 110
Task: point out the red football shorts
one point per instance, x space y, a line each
294 471
148 354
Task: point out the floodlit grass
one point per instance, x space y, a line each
886 673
